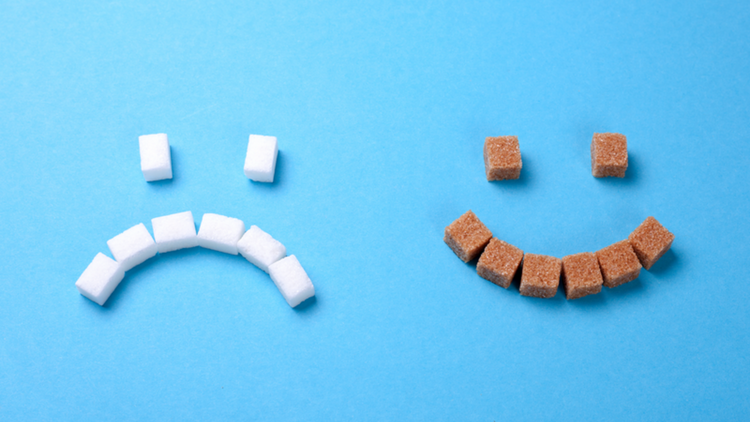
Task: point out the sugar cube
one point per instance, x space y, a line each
609 155
260 162
100 279
581 275
220 233
291 280
156 157
650 241
133 246
467 236
540 275
175 232
499 262
260 248
502 158
619 264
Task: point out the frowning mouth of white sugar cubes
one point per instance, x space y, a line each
100 279
291 280
156 157
133 246
175 232
260 162
260 248
220 233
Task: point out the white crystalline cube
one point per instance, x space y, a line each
260 162
220 233
175 232
260 248
156 158
100 279
291 280
133 246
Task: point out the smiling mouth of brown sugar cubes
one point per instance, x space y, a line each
582 274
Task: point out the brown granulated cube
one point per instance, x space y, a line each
540 275
650 241
581 275
502 158
467 236
499 262
619 264
609 155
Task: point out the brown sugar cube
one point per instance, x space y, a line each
467 236
540 275
502 158
619 264
499 262
581 275
609 155
650 241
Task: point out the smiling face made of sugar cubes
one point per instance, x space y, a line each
581 274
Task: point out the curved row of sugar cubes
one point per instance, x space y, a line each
177 231
582 274
156 157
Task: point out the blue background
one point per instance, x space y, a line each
381 109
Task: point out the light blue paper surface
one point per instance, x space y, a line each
381 110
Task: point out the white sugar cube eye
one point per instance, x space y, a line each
175 232
260 248
220 233
156 158
291 280
260 162
100 278
133 246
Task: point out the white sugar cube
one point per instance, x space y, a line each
291 280
260 248
260 162
175 232
133 246
220 233
156 158
100 278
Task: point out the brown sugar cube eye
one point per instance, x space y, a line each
581 275
609 155
502 158
540 275
618 263
467 236
499 262
650 241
